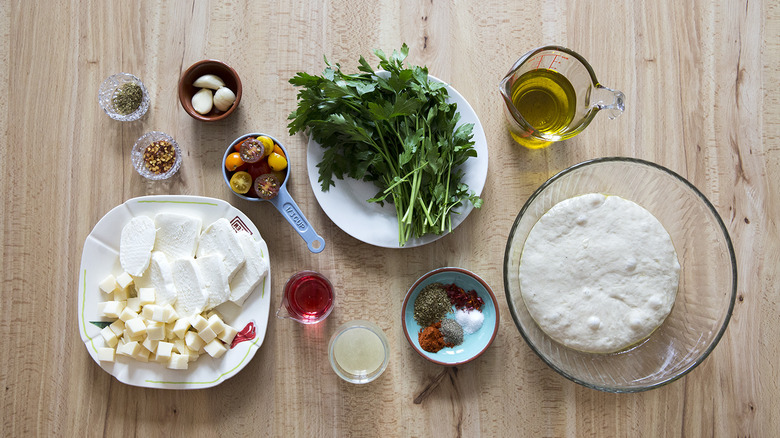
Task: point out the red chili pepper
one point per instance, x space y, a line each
247 334
462 299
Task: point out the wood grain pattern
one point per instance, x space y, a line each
702 99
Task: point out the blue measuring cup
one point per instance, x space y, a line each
283 201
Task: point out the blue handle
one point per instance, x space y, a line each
289 209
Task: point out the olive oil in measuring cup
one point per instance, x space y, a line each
546 100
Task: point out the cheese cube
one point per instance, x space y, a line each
193 341
106 354
146 295
129 349
134 304
216 324
117 327
155 331
109 336
164 351
171 312
215 348
228 334
207 334
150 345
136 327
124 279
160 313
120 294
180 327
127 314
111 309
179 346
198 322
108 284
178 362
127 336
142 355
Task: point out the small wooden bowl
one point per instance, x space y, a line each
200 68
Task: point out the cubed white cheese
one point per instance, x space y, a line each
109 336
135 327
164 351
177 235
106 354
134 304
216 324
207 334
135 245
191 297
161 278
220 239
112 309
124 280
159 313
150 345
179 346
172 315
193 341
129 349
127 314
228 334
146 295
198 322
108 284
155 331
252 273
215 348
178 362
180 327
142 355
120 294
117 326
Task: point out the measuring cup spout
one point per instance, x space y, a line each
613 101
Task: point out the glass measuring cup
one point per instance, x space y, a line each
551 93
307 298
283 201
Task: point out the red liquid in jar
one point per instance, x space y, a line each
309 296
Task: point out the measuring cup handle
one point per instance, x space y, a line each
613 101
289 209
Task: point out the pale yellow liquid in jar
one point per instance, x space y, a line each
546 100
359 351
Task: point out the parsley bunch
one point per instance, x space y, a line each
393 128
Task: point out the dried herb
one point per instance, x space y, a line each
431 304
128 98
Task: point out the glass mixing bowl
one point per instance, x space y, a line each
708 276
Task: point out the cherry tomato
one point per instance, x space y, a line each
259 168
252 150
267 186
278 150
237 147
277 162
241 182
280 175
268 144
233 161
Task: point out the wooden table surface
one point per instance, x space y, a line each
701 85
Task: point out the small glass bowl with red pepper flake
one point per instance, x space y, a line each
156 156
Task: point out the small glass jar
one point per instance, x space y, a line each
108 90
144 165
359 351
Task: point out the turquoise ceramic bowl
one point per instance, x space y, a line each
474 344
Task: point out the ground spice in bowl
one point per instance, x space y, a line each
431 338
431 304
452 332
128 98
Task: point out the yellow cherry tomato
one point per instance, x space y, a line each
241 182
277 162
233 161
268 144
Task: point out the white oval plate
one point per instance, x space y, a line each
101 257
345 203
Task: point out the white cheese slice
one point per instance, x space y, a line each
220 239
215 279
135 245
252 273
161 279
191 297
177 235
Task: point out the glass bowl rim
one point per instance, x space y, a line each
138 149
718 220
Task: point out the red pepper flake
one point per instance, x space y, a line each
463 300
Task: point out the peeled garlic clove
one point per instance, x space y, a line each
202 101
212 82
224 98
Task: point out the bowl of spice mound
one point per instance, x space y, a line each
156 156
123 97
620 274
210 90
450 316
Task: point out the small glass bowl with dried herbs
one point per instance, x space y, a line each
123 97
156 156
